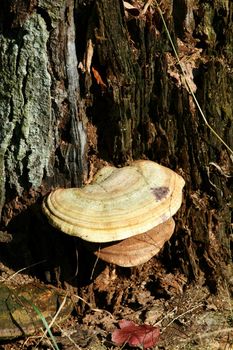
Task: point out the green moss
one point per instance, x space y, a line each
53 8
25 106
206 25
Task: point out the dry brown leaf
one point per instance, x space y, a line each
98 78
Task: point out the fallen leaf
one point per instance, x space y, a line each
135 335
88 55
98 78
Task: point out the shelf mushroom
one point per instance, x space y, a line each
136 250
130 206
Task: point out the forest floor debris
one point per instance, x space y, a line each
188 317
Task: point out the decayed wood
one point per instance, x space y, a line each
67 70
149 113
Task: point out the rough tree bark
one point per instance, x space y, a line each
85 81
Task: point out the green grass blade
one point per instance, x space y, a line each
45 323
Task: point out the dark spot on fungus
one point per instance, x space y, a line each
160 192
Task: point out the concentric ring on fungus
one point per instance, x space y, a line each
120 203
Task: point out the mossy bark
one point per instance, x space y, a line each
42 131
68 68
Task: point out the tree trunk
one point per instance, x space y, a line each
88 82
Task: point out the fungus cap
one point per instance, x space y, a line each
136 250
120 203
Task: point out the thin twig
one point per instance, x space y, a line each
67 336
208 334
95 263
91 307
145 8
52 321
184 313
23 269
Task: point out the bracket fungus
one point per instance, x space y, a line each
120 204
136 250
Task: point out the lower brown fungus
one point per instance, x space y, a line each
136 250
